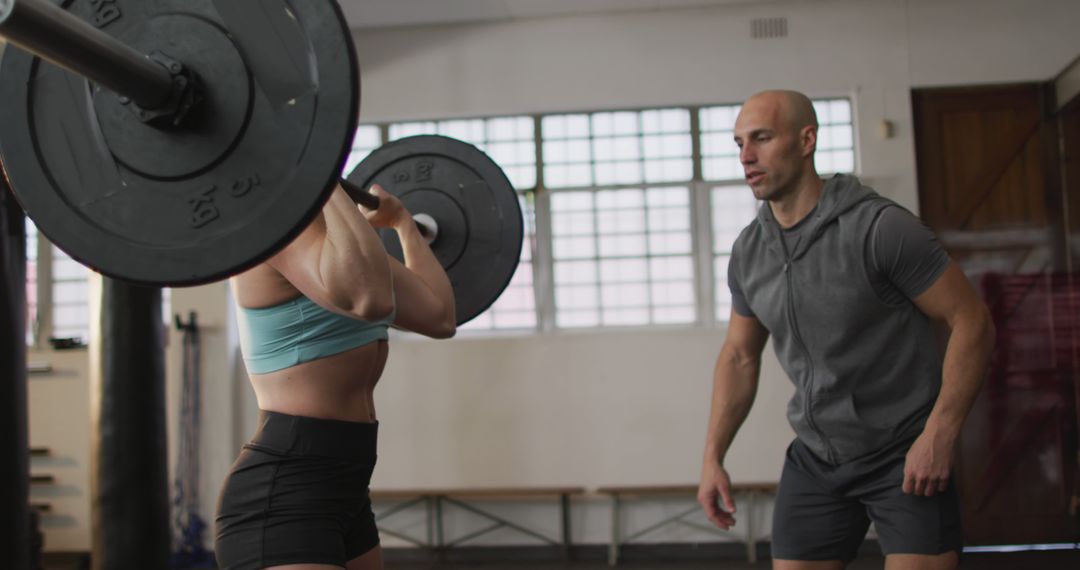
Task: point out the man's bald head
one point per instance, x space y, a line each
776 132
792 109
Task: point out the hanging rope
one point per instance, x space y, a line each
188 524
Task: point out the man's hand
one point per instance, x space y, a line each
716 487
391 213
929 463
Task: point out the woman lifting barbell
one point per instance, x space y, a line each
313 325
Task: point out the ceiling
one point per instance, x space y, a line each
391 13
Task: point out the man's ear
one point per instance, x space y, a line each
808 140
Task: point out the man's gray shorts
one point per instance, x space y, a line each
823 511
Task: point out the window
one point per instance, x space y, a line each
70 307
622 256
617 148
719 154
621 238
733 207
836 137
367 139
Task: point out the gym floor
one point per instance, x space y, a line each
1048 560
1055 560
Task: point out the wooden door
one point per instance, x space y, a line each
990 185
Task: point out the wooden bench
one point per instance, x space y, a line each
435 502
619 495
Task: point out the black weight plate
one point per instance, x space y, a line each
472 201
235 183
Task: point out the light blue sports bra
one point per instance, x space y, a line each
299 330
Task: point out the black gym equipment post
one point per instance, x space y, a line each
15 466
129 478
52 33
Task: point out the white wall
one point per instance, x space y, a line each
626 407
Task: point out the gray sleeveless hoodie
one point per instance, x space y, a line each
866 372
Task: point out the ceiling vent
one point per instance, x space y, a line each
768 28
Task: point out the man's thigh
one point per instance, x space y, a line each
907 524
810 523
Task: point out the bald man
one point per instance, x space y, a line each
850 286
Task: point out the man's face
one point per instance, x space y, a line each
770 149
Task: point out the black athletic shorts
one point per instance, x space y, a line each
823 511
298 493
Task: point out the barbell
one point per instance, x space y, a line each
179 142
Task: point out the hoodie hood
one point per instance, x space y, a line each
841 193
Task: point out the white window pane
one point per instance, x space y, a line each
823 162
65 268
673 294
572 223
844 161
622 245
840 111
575 272
367 136
721 168
825 138
842 136
623 270
673 315
667 243
660 197
525 153
671 268
576 296
503 129
571 201
70 293
515 320
577 125
577 150
625 123
606 173
669 219
556 152
624 317
621 199
503 153
603 149
675 120
821 108
522 177
471 131
577 319
627 148
556 176
574 247
624 295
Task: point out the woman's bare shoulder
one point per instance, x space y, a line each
262 286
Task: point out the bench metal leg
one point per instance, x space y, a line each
564 505
751 542
613 547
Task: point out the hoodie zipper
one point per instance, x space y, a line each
807 400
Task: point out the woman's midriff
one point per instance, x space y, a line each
337 387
